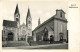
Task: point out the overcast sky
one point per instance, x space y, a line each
42 10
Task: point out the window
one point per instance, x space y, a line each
23 32
18 39
61 27
4 32
16 19
29 22
45 29
60 14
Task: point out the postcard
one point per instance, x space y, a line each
32 25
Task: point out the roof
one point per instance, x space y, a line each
28 13
52 18
43 30
8 23
16 10
49 28
44 23
60 10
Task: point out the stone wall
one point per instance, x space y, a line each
60 25
57 29
7 30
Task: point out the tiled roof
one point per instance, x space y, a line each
8 23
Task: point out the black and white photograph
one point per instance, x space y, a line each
35 25
41 25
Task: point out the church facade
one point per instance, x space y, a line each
55 26
13 31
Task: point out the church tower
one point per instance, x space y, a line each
29 23
17 19
17 16
39 21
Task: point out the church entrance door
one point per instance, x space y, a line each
10 36
45 37
61 37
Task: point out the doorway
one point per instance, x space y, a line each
10 36
61 36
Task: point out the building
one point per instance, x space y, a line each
56 26
9 29
13 31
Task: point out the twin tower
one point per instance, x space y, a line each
25 29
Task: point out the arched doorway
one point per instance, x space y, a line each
61 37
51 39
45 36
10 36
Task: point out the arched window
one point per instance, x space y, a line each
45 37
29 22
17 19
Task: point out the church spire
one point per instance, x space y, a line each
28 17
17 16
28 13
16 10
29 23
39 21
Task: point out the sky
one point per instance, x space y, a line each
38 9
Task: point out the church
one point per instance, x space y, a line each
55 27
13 31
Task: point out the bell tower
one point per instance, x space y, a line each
29 23
17 16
